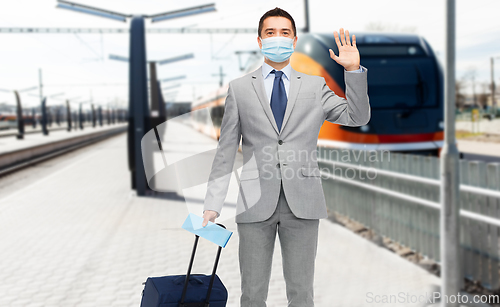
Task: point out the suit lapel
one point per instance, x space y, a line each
258 85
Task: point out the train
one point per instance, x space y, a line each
8 115
405 89
7 120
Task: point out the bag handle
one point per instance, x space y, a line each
184 290
192 279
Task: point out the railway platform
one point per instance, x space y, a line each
75 234
8 144
28 129
16 153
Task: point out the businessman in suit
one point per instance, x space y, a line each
277 112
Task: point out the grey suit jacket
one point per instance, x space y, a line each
271 156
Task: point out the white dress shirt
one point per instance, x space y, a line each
287 70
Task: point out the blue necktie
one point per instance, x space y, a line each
278 98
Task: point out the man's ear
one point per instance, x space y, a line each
259 42
295 41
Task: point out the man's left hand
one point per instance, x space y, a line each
348 53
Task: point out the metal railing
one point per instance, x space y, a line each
397 196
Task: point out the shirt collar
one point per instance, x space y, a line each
266 70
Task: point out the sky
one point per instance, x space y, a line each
77 66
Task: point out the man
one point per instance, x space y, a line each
278 113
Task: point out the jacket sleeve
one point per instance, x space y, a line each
353 111
222 166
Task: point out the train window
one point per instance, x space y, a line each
217 112
402 84
370 39
390 50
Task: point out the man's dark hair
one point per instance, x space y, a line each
277 12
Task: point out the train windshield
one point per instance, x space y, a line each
396 83
400 80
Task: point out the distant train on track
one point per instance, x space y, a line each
8 120
8 116
405 88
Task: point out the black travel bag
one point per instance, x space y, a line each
176 291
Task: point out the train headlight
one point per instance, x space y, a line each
441 125
364 128
307 48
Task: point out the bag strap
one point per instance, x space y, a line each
212 278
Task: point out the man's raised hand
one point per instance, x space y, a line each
348 53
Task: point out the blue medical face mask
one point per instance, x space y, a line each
277 49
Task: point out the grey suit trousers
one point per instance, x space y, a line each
298 239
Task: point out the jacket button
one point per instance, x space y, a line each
280 142
278 165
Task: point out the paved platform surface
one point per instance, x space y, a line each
481 148
74 234
11 143
28 128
